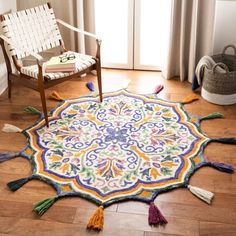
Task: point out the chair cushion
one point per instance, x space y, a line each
85 62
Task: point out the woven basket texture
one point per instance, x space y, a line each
222 83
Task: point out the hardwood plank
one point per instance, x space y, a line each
217 229
159 234
29 227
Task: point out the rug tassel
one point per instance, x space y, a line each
42 206
190 98
222 167
225 140
213 115
32 110
16 184
56 96
97 220
155 217
158 88
90 86
7 128
201 193
5 156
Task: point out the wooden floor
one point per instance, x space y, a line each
186 214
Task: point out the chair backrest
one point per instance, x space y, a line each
33 29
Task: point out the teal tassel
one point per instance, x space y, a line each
212 116
16 184
225 140
32 110
41 207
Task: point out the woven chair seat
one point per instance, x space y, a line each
85 62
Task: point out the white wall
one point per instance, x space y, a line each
5 6
225 28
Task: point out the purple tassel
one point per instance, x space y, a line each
90 86
5 156
155 217
222 167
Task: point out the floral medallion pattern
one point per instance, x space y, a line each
126 146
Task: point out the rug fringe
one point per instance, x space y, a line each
5 156
155 216
190 98
97 220
56 96
90 86
42 206
158 88
16 184
213 115
203 194
225 140
222 167
32 110
8 128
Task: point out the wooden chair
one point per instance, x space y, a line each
35 30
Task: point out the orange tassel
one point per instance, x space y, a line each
54 95
97 220
190 98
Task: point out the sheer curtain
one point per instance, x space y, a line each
79 13
192 28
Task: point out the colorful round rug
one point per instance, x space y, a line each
127 147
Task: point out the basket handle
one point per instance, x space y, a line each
229 46
222 65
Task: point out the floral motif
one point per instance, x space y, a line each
116 135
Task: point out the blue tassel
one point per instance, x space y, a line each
90 86
5 156
222 167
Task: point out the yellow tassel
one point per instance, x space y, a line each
97 220
190 98
54 95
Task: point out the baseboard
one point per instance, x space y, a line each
3 78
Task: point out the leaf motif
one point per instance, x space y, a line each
55 158
154 173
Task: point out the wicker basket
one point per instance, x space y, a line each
220 88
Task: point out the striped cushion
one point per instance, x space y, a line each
85 62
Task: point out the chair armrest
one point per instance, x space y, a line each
77 29
34 54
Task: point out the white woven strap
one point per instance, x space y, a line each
77 29
34 29
36 55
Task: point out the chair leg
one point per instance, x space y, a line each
9 85
43 101
99 78
42 94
